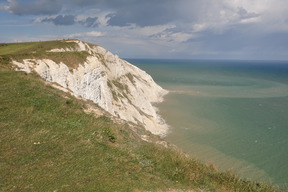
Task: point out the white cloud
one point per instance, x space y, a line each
144 32
267 12
101 15
250 20
85 34
170 36
220 15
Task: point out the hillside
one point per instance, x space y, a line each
96 74
53 141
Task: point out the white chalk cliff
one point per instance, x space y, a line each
117 86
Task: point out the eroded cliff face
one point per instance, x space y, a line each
118 87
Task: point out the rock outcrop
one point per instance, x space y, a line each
117 86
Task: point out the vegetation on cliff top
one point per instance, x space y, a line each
40 50
48 143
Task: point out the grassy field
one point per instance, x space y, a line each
48 143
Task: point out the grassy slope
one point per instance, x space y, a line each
20 51
48 143
30 47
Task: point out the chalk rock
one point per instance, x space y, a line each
117 86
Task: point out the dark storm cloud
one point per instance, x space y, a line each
43 7
60 20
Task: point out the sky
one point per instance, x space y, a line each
172 29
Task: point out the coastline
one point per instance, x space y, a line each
234 120
162 128
49 132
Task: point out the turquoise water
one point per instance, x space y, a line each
233 114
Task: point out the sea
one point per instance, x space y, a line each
232 114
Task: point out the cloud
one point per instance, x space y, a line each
60 20
155 27
90 22
43 7
69 20
144 13
187 15
85 34
114 4
126 12
171 36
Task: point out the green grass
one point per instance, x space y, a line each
48 143
38 50
30 47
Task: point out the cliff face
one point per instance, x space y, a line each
118 87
